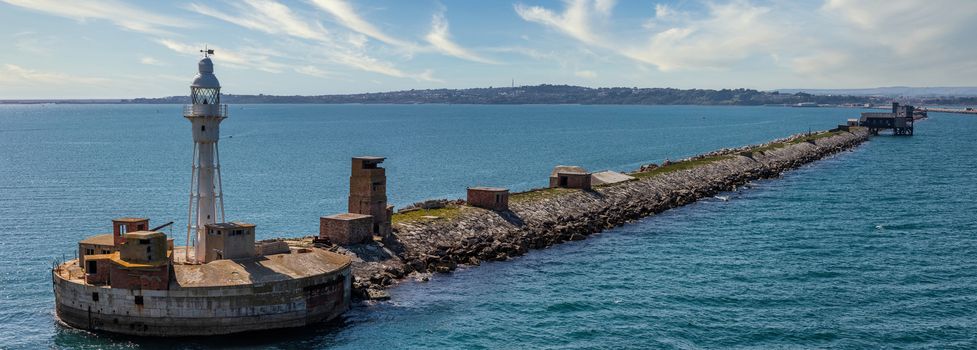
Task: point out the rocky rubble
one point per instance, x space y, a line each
481 235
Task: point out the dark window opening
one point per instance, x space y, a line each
141 227
143 241
376 228
203 127
94 296
92 267
89 251
106 251
563 181
139 300
498 199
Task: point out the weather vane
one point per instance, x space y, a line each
207 51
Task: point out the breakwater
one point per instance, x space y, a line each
441 239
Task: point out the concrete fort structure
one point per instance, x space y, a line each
491 198
564 176
135 281
369 215
346 228
368 193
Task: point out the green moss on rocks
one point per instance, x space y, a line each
538 194
424 215
682 165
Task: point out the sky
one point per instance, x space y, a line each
126 49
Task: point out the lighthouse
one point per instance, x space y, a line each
205 114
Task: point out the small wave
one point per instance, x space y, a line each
722 198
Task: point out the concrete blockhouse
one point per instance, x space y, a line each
491 198
346 228
142 262
368 193
230 240
108 243
565 176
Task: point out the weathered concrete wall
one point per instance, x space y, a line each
491 199
203 310
157 278
479 234
346 228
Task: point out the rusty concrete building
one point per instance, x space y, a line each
565 176
491 198
135 281
368 193
346 228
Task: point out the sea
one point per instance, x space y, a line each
873 248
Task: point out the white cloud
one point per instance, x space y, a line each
587 74
344 13
663 11
15 75
821 63
274 18
440 39
574 21
604 6
728 33
244 58
266 16
119 13
30 43
907 27
313 71
151 61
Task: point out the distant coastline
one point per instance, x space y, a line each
551 94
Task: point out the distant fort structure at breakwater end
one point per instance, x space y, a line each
135 281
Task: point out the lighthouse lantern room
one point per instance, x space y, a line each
205 114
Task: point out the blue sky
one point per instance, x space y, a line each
110 48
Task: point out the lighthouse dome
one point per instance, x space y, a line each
205 77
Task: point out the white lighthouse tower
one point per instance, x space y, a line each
205 113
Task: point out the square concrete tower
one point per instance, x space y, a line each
368 193
230 240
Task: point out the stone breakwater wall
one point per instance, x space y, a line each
549 217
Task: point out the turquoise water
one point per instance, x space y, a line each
871 248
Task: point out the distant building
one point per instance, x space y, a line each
900 120
564 176
491 198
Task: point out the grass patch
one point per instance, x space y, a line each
684 165
538 194
808 138
813 137
446 213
